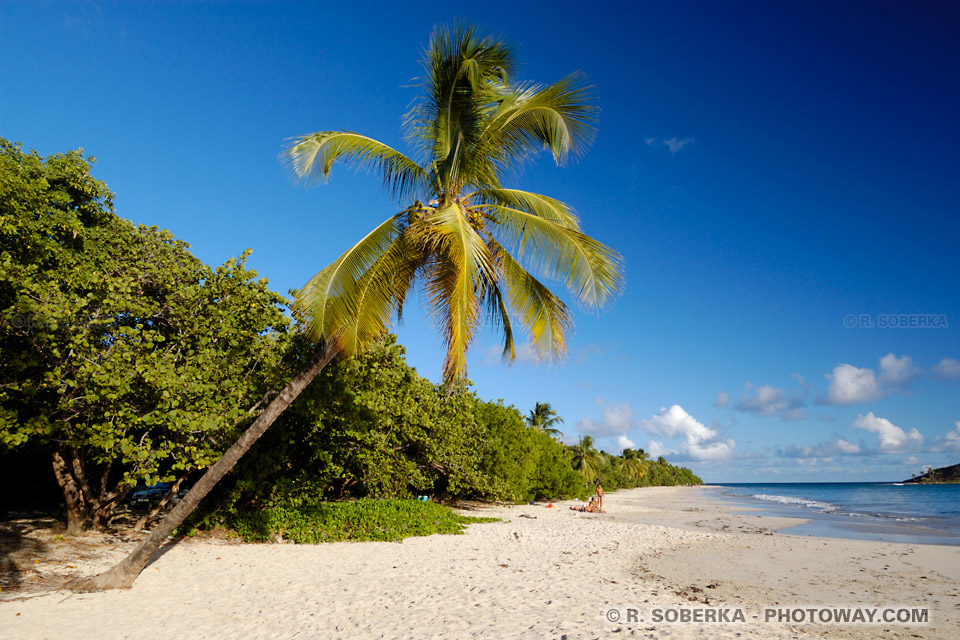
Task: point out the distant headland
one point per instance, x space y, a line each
943 475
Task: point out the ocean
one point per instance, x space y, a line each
913 513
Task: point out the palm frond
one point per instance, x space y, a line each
540 312
463 270
530 117
362 279
463 72
310 158
499 317
591 270
539 205
379 295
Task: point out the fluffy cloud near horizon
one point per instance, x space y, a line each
890 437
768 401
853 385
835 447
949 442
699 441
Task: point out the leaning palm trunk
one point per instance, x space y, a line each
126 571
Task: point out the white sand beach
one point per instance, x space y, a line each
540 573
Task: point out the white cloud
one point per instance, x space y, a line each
949 442
616 419
656 449
897 371
674 145
826 450
851 385
717 450
948 368
890 437
847 447
699 441
953 437
770 401
723 400
625 443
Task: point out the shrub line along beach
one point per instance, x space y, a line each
537 573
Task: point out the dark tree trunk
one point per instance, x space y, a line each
71 493
126 571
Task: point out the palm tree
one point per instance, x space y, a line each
459 232
586 459
542 417
634 464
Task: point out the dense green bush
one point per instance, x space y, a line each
125 358
365 519
372 427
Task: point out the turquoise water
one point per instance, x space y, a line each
874 511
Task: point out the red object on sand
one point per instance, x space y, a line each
550 506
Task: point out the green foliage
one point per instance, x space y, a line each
123 353
371 427
587 460
544 418
365 519
633 469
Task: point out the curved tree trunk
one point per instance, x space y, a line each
126 571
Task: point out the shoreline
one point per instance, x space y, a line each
543 573
847 525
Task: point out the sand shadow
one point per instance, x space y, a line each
17 549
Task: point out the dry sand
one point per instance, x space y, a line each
541 573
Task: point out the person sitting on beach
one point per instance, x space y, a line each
592 507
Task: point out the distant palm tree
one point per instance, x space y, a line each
634 464
543 417
465 236
586 459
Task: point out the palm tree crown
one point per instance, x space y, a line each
586 459
543 417
468 240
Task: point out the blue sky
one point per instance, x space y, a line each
771 173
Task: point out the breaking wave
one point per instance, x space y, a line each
799 502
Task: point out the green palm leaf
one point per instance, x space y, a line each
543 206
530 117
589 269
541 313
466 268
311 157
330 304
